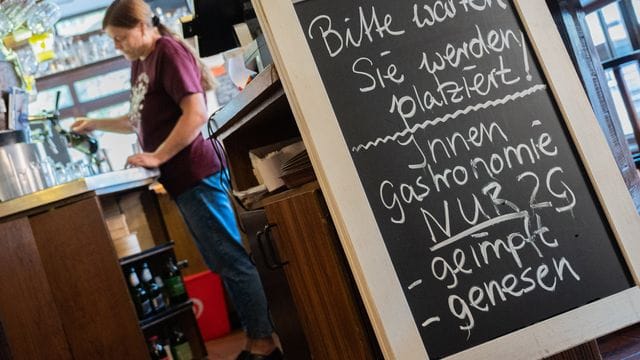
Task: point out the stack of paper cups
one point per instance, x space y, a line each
127 245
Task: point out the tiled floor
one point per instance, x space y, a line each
623 345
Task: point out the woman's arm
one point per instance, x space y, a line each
193 118
121 124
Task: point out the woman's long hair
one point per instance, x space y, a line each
128 14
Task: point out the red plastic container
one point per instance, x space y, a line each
206 291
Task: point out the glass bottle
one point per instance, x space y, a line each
81 142
139 294
162 289
180 348
155 295
156 349
173 281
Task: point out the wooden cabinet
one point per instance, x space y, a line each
177 315
282 306
313 299
143 212
63 293
329 308
28 314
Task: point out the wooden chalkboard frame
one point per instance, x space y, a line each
363 244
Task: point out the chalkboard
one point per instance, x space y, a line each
483 204
479 207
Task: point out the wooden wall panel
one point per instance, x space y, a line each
31 325
185 246
153 213
87 283
5 350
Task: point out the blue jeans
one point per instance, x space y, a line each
208 212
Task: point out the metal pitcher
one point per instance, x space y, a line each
24 169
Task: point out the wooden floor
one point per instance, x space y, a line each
623 345
226 348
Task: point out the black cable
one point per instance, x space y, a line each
223 158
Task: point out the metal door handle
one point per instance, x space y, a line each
270 255
276 257
259 235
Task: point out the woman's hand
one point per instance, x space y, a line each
83 125
146 160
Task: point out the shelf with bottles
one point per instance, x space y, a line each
163 306
178 338
155 283
169 313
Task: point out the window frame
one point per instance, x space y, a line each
617 62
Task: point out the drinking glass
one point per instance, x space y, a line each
43 16
36 174
5 25
61 174
18 10
45 173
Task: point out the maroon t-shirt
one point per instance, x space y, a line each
158 84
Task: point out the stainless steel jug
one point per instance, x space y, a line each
24 169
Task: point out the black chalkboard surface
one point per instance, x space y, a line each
485 210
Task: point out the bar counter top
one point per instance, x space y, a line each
100 184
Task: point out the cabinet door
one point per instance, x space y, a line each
281 305
321 284
86 282
30 323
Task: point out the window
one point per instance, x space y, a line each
615 33
46 99
96 87
615 29
636 9
81 24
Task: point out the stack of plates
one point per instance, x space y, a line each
297 170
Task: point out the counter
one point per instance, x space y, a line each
62 286
100 184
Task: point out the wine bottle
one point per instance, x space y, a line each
155 295
81 142
173 281
156 349
162 289
180 348
139 294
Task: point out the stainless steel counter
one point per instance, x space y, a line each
100 184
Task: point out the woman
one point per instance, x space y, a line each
168 110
